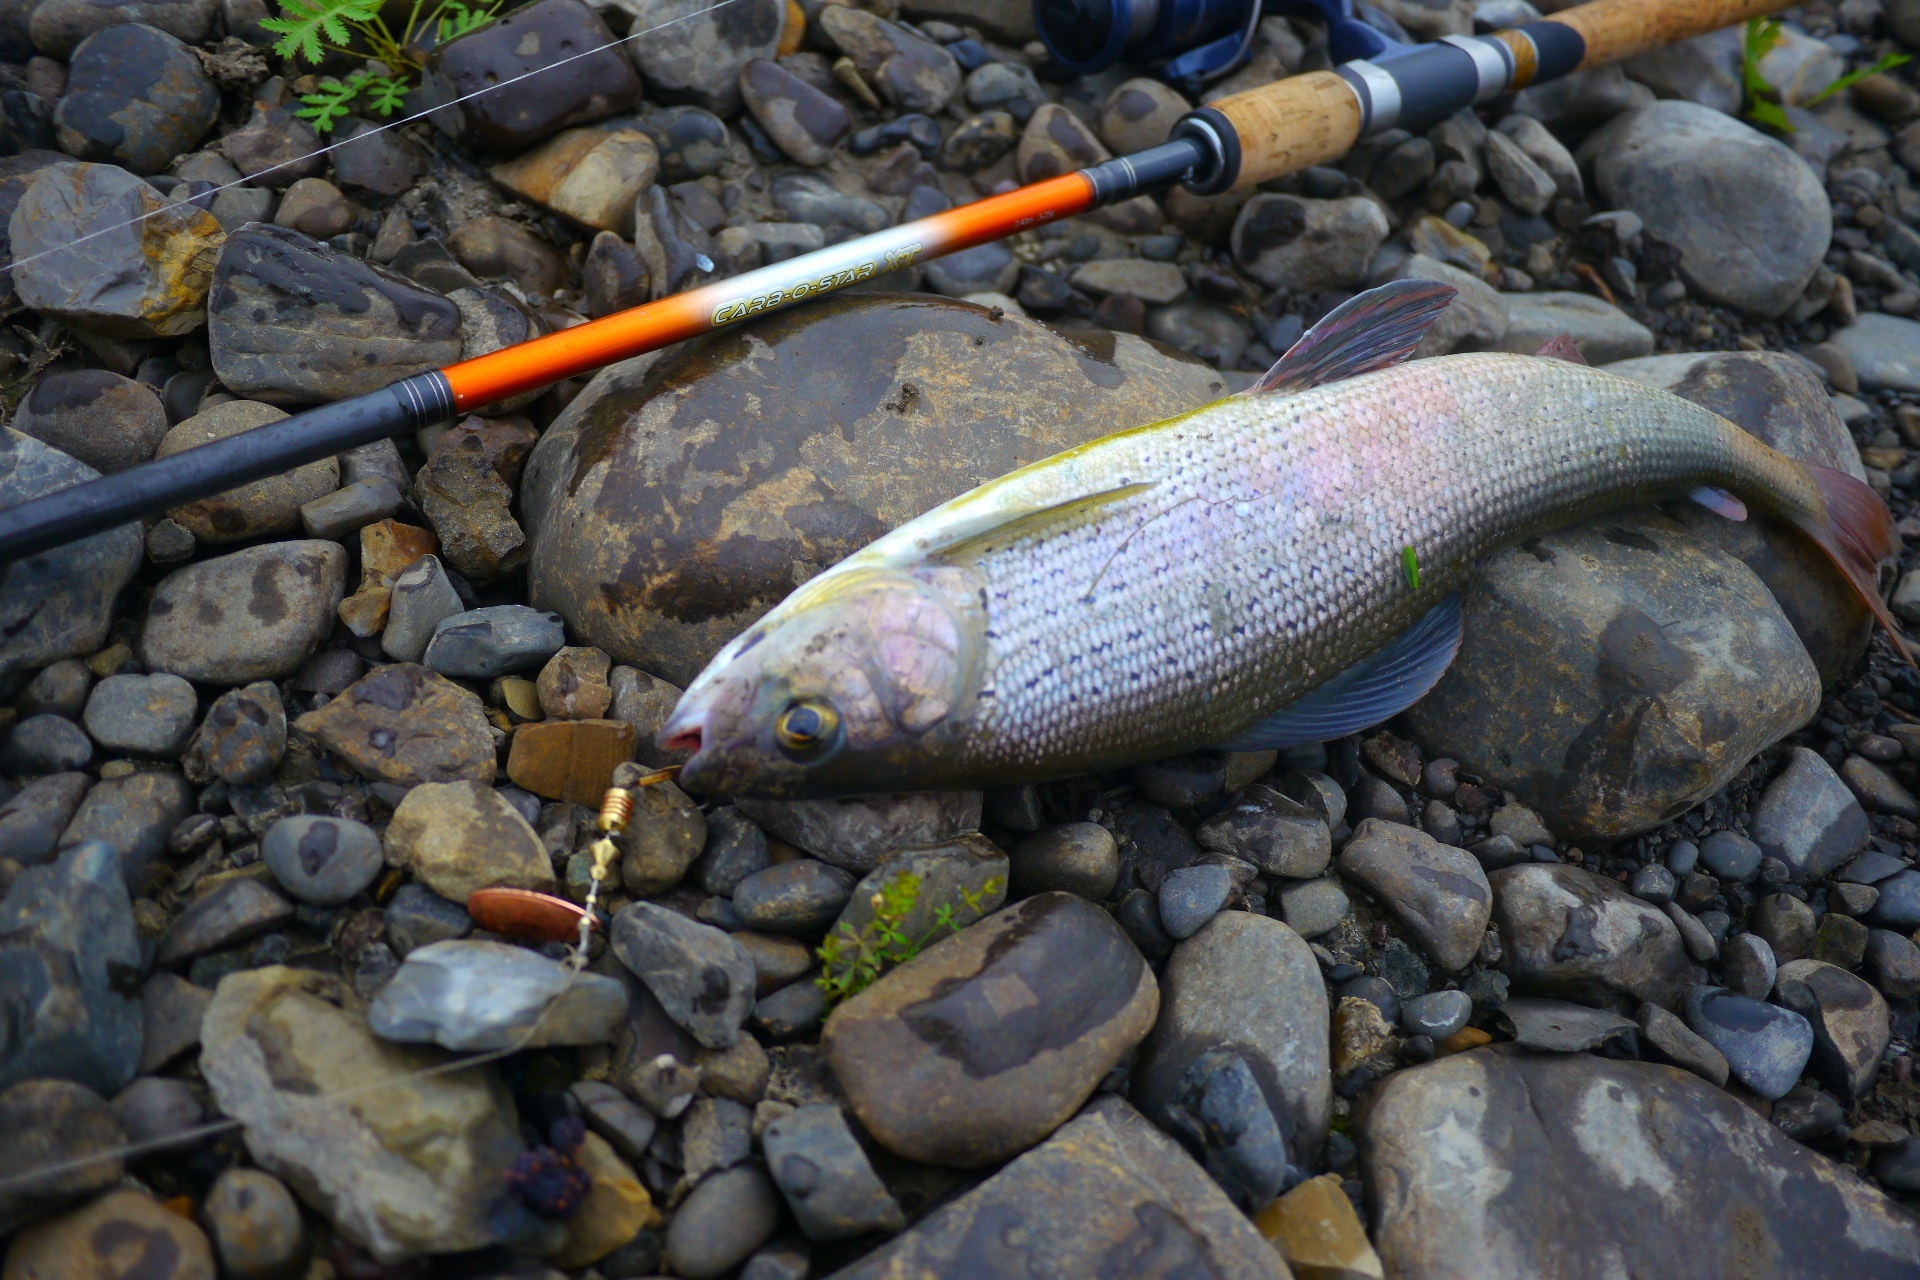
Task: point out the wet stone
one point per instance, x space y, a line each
136 97
573 684
1749 964
1221 1112
250 615
826 1178
381 161
232 912
1893 961
31 822
1569 932
495 641
242 739
999 1077
665 834
292 321
59 689
69 961
1727 1181
143 270
1626 601
1839 939
106 421
1437 1014
322 861
715 1133
1850 1021
1082 1200
700 976
980 140
1731 856
522 43
58 603
1877 789
1076 857
461 837
803 897
45 745
255 1224
1766 1046
615 277
404 724
471 995
141 715
1439 892
794 1012
1671 1041
591 175
132 815
275 1037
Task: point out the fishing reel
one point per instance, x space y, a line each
1192 42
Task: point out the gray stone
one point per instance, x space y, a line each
1075 857
1527 186
132 816
160 1114
735 849
700 976
242 740
1731 856
792 1013
1602 331
249 615
1539 145
232 912
1108 1190
142 715
58 689
348 509
496 641
726 1218
626 1125
1654 883
106 421
1885 351
1568 932
1877 789
715 1133
1696 937
58 27
1191 896
1630 601
1766 1047
1279 835
471 995
58 603
45 745
1557 1026
940 1065
803 896
1249 984
171 1009
1314 907
68 961
423 597
1439 892
1138 114
663 837
861 832
801 120
1672 1176
1808 818
275 1038
31 822
403 724
255 1224
1749 219
825 1176
136 97
1671 1041
1749 965
1850 1021
598 81
1787 924
51 1123
1291 242
292 321
1705 69
1894 961
320 860
461 837
905 68
698 59
1899 904
1436 1015
418 917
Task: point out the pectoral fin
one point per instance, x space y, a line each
1373 690
1369 331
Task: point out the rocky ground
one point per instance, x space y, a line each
1601 961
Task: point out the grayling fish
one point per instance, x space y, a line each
1276 568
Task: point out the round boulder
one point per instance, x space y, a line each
680 497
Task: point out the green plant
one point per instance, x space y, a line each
1763 103
850 961
311 29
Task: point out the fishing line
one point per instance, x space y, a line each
249 180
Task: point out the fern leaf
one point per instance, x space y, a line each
386 94
331 102
305 25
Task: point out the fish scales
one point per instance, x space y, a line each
1266 556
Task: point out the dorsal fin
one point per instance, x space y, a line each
1561 346
1377 688
1368 331
1002 527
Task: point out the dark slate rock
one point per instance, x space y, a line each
941 1068
136 97
905 68
700 976
1766 1047
52 1123
1076 857
826 1178
1556 1026
803 896
58 603
133 816
735 849
1709 1189
801 120
1191 896
58 26
1850 1021
1221 1112
44 745
418 916
793 1012
1436 1015
1899 903
1277 834
321 860
1808 818
292 321
69 973
473 995
31 822
1731 856
523 42
692 142
232 912
496 641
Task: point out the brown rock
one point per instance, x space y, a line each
1056 142
461 837
573 685
990 1039
505 442
1316 1230
314 207
125 1235
665 834
569 760
492 247
710 531
470 507
1568 932
387 548
54 1124
591 175
270 505
523 42
1439 892
403 723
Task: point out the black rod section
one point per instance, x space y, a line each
154 487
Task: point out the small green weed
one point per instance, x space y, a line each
850 961
311 29
1763 103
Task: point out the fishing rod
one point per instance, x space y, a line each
1237 142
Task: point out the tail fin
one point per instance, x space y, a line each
1857 534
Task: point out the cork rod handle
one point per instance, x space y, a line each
1292 124
1616 29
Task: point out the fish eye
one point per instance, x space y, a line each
805 727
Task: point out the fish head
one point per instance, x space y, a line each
858 682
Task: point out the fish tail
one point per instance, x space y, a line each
1854 528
